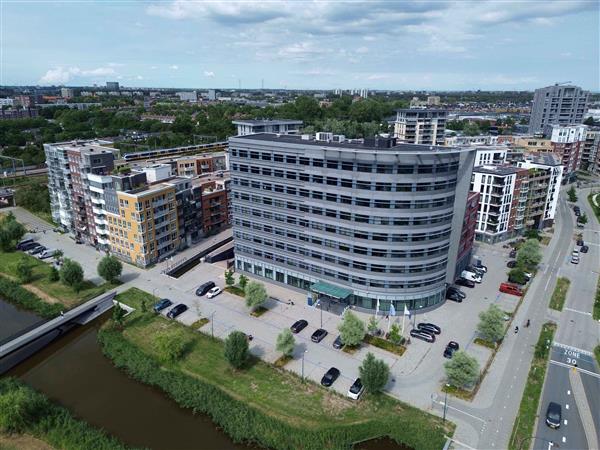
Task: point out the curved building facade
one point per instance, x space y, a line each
379 221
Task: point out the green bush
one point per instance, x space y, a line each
236 349
71 274
23 410
170 345
13 293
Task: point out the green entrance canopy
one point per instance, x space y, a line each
331 290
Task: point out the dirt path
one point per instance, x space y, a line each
22 442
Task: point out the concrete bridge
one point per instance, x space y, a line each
18 348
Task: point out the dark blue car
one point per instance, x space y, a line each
162 304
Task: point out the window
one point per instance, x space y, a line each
265 156
364 167
278 157
290 159
317 163
347 166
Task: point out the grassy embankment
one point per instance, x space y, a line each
260 403
595 208
523 427
557 301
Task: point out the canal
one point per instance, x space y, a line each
73 372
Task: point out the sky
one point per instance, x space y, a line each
302 44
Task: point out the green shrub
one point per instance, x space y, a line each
12 292
170 345
71 274
53 275
236 349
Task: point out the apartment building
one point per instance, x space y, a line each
189 166
532 143
467 235
567 142
591 145
502 205
362 224
452 141
493 155
557 105
216 208
420 126
281 126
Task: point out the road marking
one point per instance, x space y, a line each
570 347
564 439
460 443
566 421
579 369
567 406
547 283
569 392
577 311
461 411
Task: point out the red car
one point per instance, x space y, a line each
509 288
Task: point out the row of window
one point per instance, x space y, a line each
351 166
343 215
356 249
338 275
334 259
348 183
353 201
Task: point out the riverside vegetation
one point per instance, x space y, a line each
257 403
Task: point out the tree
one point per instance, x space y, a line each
236 349
462 370
71 274
118 315
229 279
374 374
491 324
572 193
11 232
243 281
285 342
532 234
394 336
582 219
373 326
170 346
517 275
53 275
256 294
24 270
58 255
352 329
529 254
110 268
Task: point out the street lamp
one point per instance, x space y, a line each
303 353
445 402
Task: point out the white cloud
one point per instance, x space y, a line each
174 67
62 75
139 77
362 50
209 74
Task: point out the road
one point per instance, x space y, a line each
576 389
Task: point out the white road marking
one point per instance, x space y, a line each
567 406
566 421
564 439
569 366
578 312
569 392
461 411
570 347
547 283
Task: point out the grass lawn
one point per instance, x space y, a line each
276 393
595 208
596 312
557 301
523 427
47 290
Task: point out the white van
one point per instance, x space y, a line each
471 276
49 253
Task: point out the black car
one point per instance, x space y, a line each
176 311
553 415
580 242
338 342
36 250
457 291
464 282
511 264
29 246
299 326
330 376
423 335
451 347
318 335
204 288
584 249
162 304
512 254
24 242
453 296
429 327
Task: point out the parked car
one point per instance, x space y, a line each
204 288
318 335
36 250
580 242
162 304
451 347
423 335
298 326
584 249
509 288
511 264
32 246
48 253
29 246
177 310
453 296
356 389
553 415
512 254
464 282
330 376
476 271
574 259
479 265
456 290
213 292
471 276
580 225
338 342
429 327
24 242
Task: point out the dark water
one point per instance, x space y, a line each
74 372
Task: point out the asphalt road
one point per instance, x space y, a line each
576 336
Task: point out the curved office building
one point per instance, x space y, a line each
358 222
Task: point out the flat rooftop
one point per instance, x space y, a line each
257 122
498 170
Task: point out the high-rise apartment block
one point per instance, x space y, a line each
591 148
67 93
567 142
377 222
112 85
557 105
420 126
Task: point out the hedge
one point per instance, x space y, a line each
24 410
13 293
244 423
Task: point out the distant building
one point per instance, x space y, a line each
21 113
420 126
6 101
591 149
493 155
558 105
67 93
188 96
453 141
190 166
281 126
212 94
433 100
112 85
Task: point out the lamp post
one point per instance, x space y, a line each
445 403
303 353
